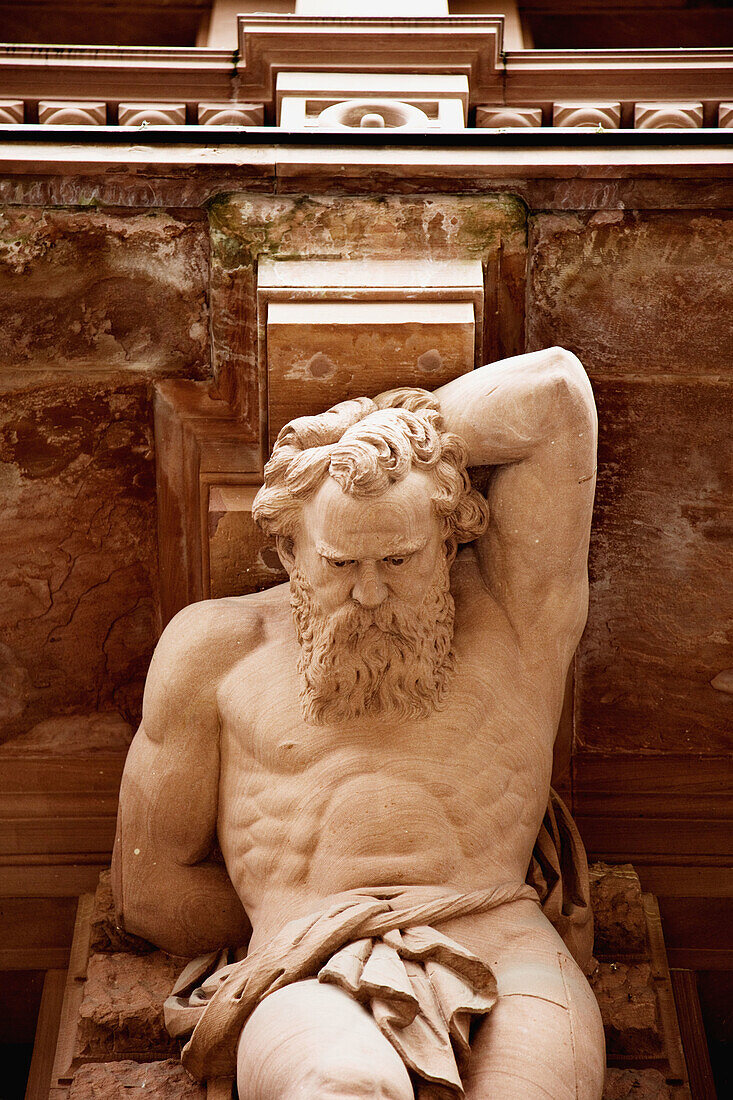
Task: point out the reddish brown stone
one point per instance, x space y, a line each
165 1080
628 1004
106 935
491 228
122 1008
77 549
635 1084
618 916
83 290
661 602
635 293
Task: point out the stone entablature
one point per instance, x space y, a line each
626 89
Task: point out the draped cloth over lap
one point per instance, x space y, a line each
421 987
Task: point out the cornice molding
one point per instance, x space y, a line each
462 44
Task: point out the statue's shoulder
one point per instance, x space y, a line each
204 639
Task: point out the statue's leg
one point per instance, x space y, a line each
311 1040
543 1039
539 1049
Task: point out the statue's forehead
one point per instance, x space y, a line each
345 522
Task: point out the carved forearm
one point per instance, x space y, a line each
184 910
505 410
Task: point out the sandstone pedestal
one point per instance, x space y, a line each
112 1043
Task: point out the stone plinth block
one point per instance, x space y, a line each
618 914
628 1003
89 291
122 1008
635 1084
165 1080
241 558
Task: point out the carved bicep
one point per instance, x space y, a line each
534 554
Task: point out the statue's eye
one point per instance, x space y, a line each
396 560
339 563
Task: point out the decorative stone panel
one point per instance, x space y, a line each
725 115
152 114
587 115
12 111
402 100
231 114
61 113
508 117
668 116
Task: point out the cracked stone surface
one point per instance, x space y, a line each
618 915
165 1080
635 1084
78 555
628 1003
106 935
90 290
122 1008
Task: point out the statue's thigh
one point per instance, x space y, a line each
312 1040
542 1044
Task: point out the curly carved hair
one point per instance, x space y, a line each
367 445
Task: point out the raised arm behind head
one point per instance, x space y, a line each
533 418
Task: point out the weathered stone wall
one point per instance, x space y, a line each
644 300
93 308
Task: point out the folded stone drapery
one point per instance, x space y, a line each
421 987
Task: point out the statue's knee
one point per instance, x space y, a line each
350 1077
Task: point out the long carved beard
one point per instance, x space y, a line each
392 659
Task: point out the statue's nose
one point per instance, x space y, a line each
368 589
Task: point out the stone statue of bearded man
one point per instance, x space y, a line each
395 656
370 748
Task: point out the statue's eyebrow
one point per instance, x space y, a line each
395 549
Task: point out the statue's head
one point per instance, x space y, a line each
368 503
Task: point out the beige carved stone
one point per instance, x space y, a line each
231 114
345 777
505 118
12 111
668 116
310 100
587 115
725 115
64 113
152 114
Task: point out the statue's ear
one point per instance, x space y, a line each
284 547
